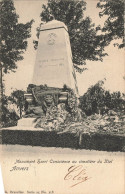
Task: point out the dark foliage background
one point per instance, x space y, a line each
114 24
100 101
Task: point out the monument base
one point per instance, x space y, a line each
26 122
50 107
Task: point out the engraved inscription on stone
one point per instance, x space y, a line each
45 63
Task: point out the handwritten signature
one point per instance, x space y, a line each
77 174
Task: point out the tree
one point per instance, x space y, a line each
114 24
18 99
85 43
13 37
117 101
98 100
93 100
9 116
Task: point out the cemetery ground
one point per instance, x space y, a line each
65 126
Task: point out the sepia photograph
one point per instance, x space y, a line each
62 97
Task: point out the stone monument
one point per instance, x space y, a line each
53 65
53 95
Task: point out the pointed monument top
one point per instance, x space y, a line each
53 24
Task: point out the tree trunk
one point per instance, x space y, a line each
20 112
1 95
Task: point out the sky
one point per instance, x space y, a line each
111 70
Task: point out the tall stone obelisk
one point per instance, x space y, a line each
53 65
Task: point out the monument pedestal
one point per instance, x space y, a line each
49 107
